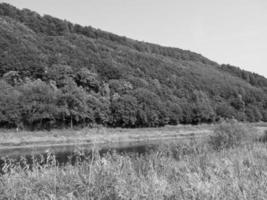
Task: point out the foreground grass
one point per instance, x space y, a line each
181 171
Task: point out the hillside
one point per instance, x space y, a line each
58 74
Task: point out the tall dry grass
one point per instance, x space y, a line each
189 170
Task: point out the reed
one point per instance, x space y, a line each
178 171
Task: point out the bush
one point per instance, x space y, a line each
263 138
228 135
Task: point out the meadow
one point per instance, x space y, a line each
230 164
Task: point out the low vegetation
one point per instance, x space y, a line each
263 138
229 134
186 170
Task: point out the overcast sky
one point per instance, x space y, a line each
226 31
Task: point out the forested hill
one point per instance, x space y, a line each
252 78
58 74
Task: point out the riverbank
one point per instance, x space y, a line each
12 142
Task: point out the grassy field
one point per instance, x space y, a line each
228 165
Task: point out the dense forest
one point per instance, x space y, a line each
56 74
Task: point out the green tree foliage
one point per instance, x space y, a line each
54 73
72 102
12 78
10 105
120 86
252 78
174 112
253 114
61 74
87 80
151 111
108 71
238 103
100 108
38 102
225 111
264 115
203 110
124 111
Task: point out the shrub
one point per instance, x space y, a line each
263 138
228 135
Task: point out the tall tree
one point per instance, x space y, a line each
10 105
73 103
38 101
124 111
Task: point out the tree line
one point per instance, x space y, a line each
57 74
67 99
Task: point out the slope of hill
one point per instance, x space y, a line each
252 78
55 74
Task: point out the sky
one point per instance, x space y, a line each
226 31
